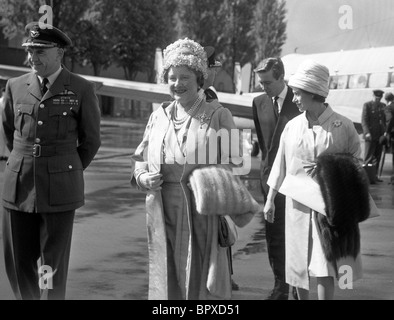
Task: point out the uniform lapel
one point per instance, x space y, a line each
34 86
60 84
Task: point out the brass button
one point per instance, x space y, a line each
42 106
38 140
40 123
70 166
64 113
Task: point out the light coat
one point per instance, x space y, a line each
301 145
215 273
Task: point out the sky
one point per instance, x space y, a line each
315 26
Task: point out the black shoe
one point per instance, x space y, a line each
234 286
277 295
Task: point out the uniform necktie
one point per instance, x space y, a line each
276 106
44 87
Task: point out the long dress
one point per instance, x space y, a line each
302 143
185 259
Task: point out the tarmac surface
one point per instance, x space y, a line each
109 249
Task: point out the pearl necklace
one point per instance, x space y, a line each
178 123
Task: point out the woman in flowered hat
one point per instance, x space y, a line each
318 168
185 260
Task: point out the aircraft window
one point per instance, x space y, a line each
378 80
334 82
358 81
392 80
342 82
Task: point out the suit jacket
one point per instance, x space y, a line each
269 130
373 119
52 139
390 118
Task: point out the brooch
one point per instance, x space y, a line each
203 119
337 123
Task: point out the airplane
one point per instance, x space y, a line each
240 106
353 76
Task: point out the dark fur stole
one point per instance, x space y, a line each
345 190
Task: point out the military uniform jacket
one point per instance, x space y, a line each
269 129
52 139
373 119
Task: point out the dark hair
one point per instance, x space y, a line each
318 98
199 75
315 96
389 96
274 64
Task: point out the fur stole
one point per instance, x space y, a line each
218 192
345 189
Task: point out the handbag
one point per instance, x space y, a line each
227 232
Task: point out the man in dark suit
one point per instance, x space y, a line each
373 121
271 111
51 123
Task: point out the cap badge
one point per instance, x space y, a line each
34 33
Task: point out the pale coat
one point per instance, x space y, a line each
334 134
214 274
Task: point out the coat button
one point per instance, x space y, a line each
40 123
38 140
70 166
42 106
64 113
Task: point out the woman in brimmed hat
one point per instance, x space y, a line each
306 139
185 260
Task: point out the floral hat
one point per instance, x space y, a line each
185 52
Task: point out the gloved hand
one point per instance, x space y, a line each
151 181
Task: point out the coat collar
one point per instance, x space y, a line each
60 84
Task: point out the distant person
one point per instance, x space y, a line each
316 244
186 261
213 67
373 121
389 134
51 123
4 152
271 112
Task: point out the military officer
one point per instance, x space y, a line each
51 122
373 121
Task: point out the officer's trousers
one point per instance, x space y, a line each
36 251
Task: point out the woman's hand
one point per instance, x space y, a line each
269 211
151 181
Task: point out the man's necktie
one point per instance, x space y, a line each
44 87
276 106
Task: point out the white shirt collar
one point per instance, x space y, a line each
52 78
282 97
